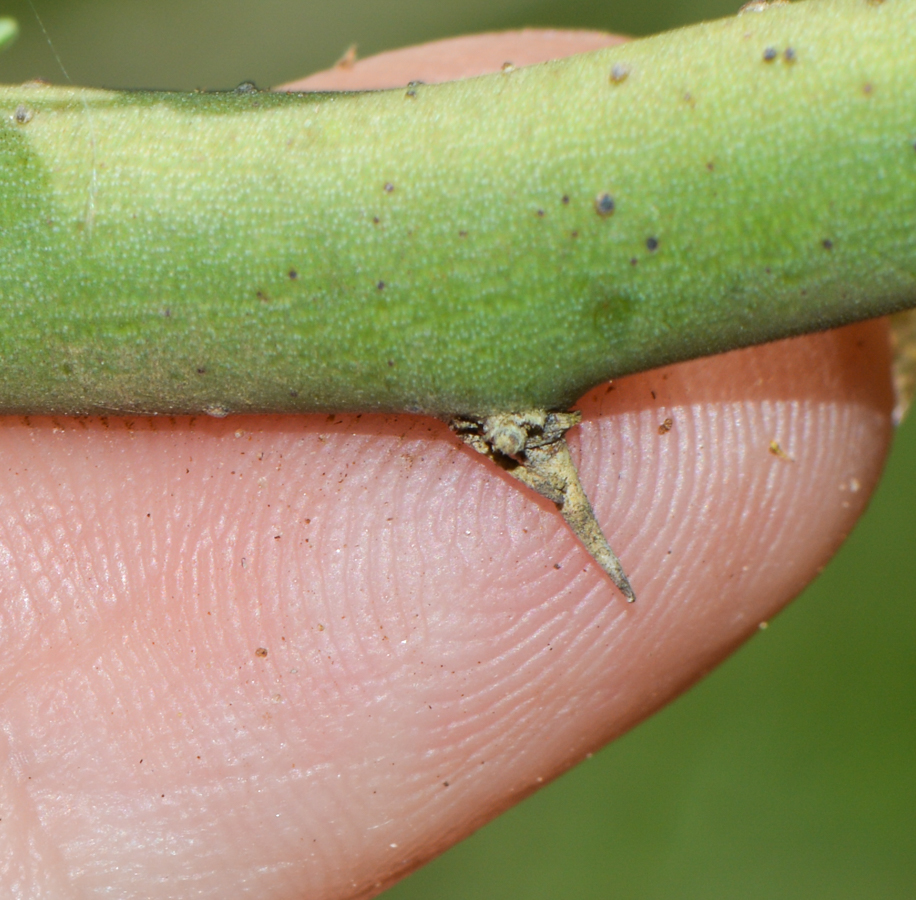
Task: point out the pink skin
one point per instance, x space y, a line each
437 644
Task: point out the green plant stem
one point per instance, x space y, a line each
495 245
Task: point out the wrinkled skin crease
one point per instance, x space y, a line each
300 656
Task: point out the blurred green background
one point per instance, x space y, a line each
788 773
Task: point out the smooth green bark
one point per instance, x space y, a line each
453 249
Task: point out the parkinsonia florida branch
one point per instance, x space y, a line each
483 251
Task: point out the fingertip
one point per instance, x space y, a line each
454 58
726 484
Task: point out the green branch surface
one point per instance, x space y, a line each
479 247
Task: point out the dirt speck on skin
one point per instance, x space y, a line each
777 451
348 60
619 73
261 652
666 426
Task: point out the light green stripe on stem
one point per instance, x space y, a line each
449 249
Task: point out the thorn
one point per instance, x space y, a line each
532 447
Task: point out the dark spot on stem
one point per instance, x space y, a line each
462 234
710 165
651 244
867 88
604 205
574 234
769 54
827 244
201 370
540 213
634 261
376 220
293 274
565 200
389 187
619 73
790 56
381 285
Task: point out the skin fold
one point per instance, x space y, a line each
299 656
